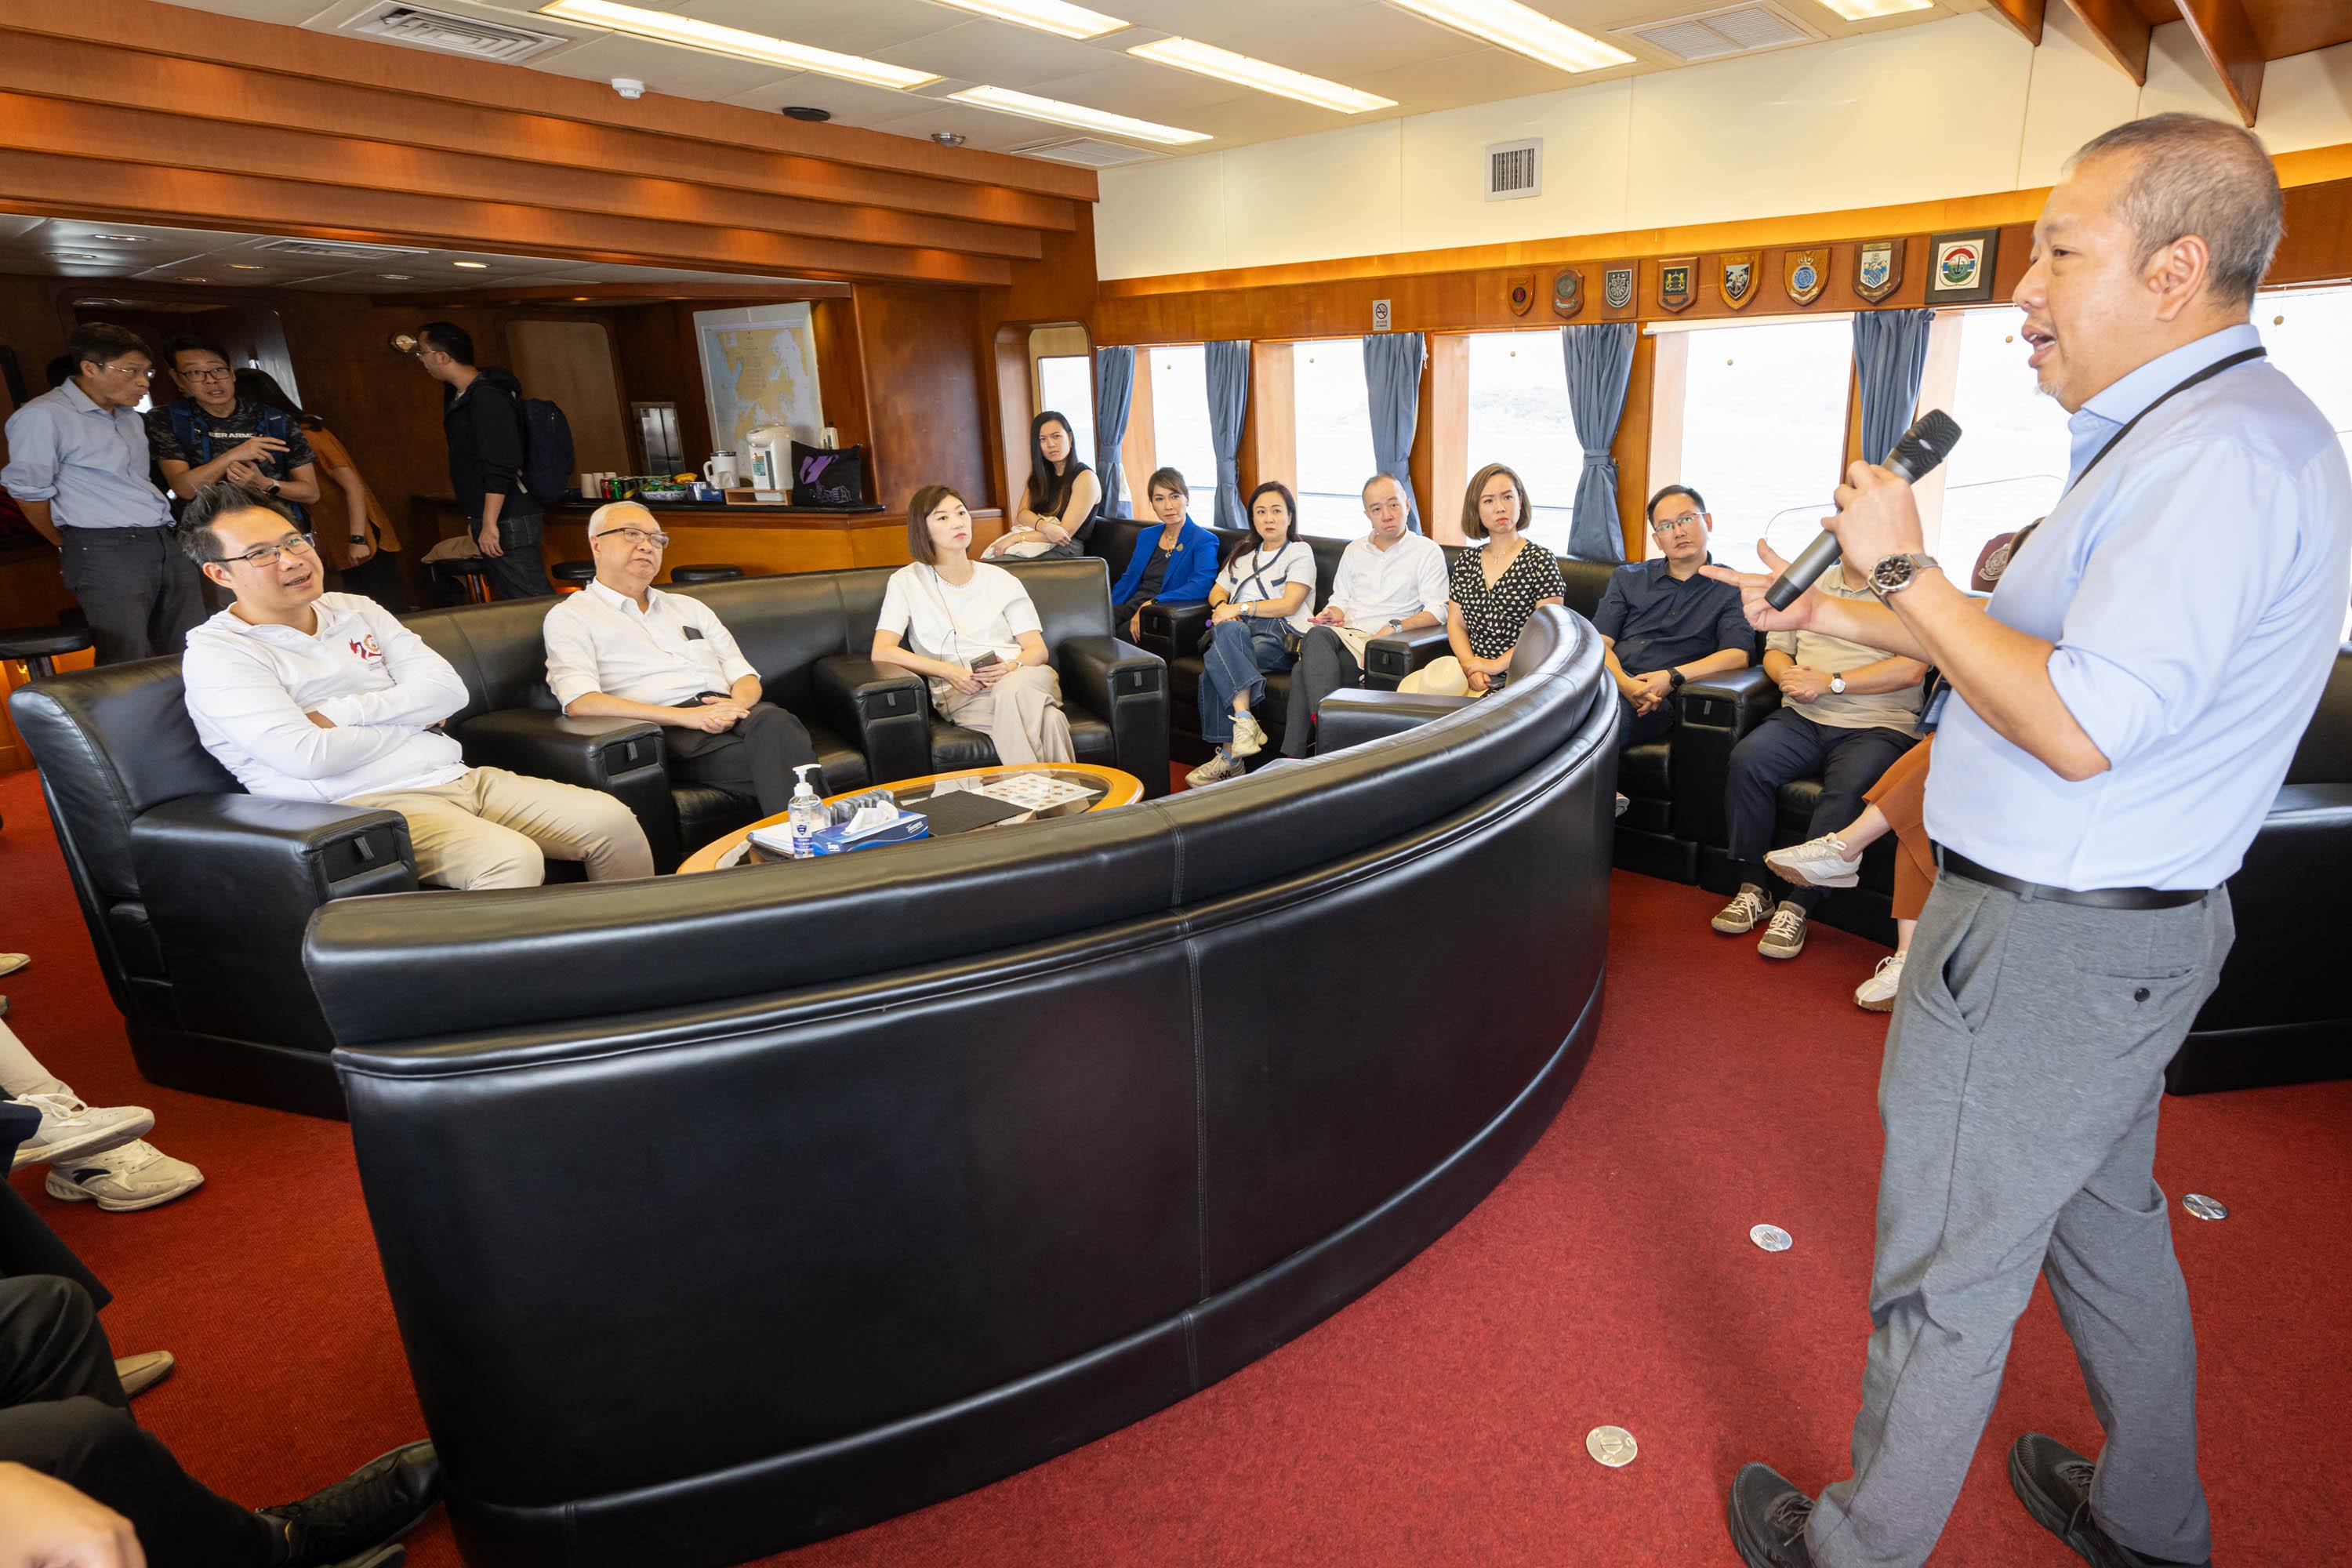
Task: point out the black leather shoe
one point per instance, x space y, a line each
380 1501
1767 1517
2053 1482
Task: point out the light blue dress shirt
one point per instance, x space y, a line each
2195 586
90 466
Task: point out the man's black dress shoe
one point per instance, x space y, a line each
2053 1482
1767 1517
380 1501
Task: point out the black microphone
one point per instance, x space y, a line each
1929 442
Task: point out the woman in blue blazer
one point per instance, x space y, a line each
1176 567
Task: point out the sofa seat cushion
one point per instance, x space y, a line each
1645 771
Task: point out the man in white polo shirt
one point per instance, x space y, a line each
307 695
620 648
1389 581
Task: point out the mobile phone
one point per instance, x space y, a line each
984 660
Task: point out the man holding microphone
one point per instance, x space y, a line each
2119 722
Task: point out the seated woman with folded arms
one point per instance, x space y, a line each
1175 566
1259 608
1492 590
1057 511
971 628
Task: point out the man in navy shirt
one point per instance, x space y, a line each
1662 623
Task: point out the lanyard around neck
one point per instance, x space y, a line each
2207 374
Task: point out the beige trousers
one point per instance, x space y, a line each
492 828
1022 713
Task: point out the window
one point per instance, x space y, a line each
1065 385
1180 429
1519 415
1334 415
1763 433
2011 465
2306 331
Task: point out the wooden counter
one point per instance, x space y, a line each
759 539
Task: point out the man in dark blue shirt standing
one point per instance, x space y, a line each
1662 624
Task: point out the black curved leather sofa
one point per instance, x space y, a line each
196 894
726 1213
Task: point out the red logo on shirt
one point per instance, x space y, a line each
364 647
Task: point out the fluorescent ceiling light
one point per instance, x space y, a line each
1050 17
474 266
1055 112
1863 10
1185 54
1522 31
663 27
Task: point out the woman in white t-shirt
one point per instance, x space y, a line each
1259 609
971 628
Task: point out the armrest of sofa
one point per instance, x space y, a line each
619 757
1127 687
231 880
1712 714
1350 716
886 711
1174 631
1389 660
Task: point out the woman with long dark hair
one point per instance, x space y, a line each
355 533
1259 609
1057 511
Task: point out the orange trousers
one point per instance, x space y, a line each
1901 796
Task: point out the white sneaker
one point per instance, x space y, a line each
1876 994
1823 862
1216 770
1249 736
69 1128
138 1175
1748 907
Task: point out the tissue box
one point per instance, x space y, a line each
839 840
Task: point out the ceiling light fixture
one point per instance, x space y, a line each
1047 16
1511 25
78 256
396 277
711 38
122 238
1867 10
1207 59
192 277
246 266
472 266
1054 111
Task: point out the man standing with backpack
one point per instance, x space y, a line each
481 413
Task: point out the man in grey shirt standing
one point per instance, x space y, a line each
77 465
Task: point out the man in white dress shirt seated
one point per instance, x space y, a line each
307 695
621 648
1389 581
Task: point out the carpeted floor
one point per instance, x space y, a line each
1439 1420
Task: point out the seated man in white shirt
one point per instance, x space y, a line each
620 648
1389 581
307 695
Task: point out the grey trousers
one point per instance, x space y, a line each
1324 666
140 592
2018 1096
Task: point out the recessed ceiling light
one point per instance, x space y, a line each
1207 59
1515 28
394 277
663 27
947 138
78 256
1046 16
1054 111
472 266
192 277
1863 10
246 266
122 238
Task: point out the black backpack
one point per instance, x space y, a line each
547 455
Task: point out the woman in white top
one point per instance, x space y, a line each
1057 511
1259 609
971 628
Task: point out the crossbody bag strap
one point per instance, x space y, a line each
2207 374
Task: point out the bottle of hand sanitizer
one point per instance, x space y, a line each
808 814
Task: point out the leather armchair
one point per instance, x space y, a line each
882 708
1129 687
619 756
1389 659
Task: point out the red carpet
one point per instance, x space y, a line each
1441 1420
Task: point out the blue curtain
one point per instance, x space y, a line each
1890 355
1114 391
1392 385
1228 371
1600 360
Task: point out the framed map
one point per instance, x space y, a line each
759 367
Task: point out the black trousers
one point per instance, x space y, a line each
1324 666
1633 729
1787 745
753 760
519 573
378 577
140 593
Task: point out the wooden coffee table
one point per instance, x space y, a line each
1109 787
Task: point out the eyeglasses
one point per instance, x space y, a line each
267 555
1674 524
635 537
144 372
224 374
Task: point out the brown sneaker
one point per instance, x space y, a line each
1785 937
1745 912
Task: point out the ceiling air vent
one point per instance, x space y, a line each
1088 152
1713 35
1513 170
334 251
452 34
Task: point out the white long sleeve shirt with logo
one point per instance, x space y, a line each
251 690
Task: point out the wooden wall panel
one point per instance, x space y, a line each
923 390
1632 446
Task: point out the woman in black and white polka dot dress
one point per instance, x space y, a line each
1492 590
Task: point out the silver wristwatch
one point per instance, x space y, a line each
1897 573
1837 685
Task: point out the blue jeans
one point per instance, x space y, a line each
1241 653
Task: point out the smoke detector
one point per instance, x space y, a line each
628 87
947 138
